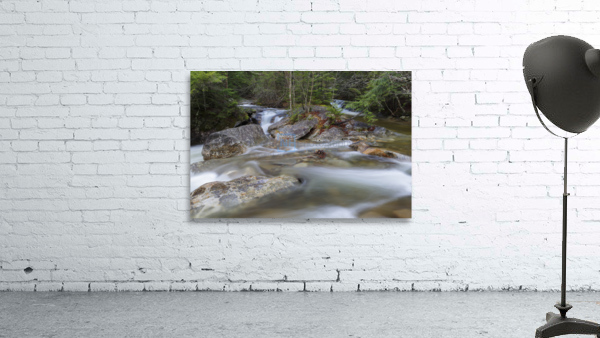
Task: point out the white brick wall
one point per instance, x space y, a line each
94 147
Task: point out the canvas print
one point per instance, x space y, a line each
300 144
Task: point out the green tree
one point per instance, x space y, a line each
388 93
270 88
213 105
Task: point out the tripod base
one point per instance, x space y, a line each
557 326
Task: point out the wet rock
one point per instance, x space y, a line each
318 109
403 158
320 154
232 141
403 213
298 129
355 138
359 146
279 124
379 152
339 163
208 165
251 120
301 165
320 113
218 196
356 125
379 131
366 149
371 214
331 134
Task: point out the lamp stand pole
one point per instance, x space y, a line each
558 325
564 307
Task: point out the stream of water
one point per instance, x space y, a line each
345 184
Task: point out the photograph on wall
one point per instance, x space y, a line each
300 144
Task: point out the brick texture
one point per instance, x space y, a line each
94 148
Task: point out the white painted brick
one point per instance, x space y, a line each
319 64
24 145
325 29
301 52
352 29
483 133
43 18
106 18
329 52
76 286
94 111
480 156
48 65
52 146
483 144
131 286
459 52
355 52
377 40
397 17
455 144
156 64
99 286
382 52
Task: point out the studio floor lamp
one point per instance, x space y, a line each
562 74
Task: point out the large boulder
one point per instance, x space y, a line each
218 196
331 134
297 130
233 141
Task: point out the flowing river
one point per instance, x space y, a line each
344 184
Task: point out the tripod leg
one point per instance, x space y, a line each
558 326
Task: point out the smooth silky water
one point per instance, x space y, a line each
343 184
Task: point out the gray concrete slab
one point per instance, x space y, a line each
276 314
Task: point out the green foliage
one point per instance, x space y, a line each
388 93
215 95
312 87
269 88
212 103
295 115
334 112
350 85
242 83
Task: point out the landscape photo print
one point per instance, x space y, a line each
300 144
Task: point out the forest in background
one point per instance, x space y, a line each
215 94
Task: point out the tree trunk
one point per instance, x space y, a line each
312 85
291 105
396 96
333 88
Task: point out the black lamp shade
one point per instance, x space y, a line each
565 74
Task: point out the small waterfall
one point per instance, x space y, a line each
270 114
196 153
341 104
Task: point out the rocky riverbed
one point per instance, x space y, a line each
306 166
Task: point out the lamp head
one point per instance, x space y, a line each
564 72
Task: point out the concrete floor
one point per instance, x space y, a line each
256 314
